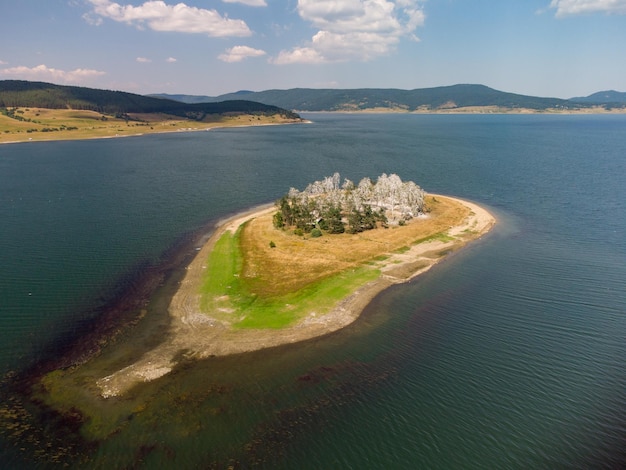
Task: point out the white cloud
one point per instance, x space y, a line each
349 15
143 60
299 55
93 21
580 7
354 29
45 73
170 60
239 53
2 62
159 16
250 3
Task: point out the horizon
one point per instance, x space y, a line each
375 88
543 48
305 88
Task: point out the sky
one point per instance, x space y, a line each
548 48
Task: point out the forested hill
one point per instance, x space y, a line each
611 97
18 93
423 99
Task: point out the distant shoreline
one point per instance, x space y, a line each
477 110
201 336
139 128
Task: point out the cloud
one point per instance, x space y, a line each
581 7
2 62
354 29
93 21
250 3
143 60
299 55
43 72
239 53
170 60
159 16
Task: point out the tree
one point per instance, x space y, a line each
278 220
355 221
326 204
332 220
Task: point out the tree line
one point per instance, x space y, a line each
333 207
20 93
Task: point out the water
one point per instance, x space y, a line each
508 355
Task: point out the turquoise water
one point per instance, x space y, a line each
509 354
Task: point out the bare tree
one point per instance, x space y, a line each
362 206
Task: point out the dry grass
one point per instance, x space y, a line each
70 124
297 261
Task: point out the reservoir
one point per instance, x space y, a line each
508 354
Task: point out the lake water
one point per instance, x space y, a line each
509 354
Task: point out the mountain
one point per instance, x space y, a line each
603 97
423 99
19 93
238 95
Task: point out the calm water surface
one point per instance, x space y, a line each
509 354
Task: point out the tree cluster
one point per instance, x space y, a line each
20 93
335 208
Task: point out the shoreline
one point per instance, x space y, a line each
476 110
195 335
144 132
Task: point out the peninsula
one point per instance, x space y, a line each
37 111
280 274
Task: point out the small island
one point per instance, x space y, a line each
303 267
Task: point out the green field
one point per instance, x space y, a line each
226 294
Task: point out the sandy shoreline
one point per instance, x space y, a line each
196 335
205 127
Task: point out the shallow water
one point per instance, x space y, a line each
509 354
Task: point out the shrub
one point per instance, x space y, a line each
316 233
278 220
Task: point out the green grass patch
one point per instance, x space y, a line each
319 297
441 236
226 295
223 268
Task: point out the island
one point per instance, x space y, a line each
303 267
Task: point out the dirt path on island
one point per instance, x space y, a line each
195 334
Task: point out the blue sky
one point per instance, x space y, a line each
556 48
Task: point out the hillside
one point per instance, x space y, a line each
18 93
36 111
609 97
447 98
